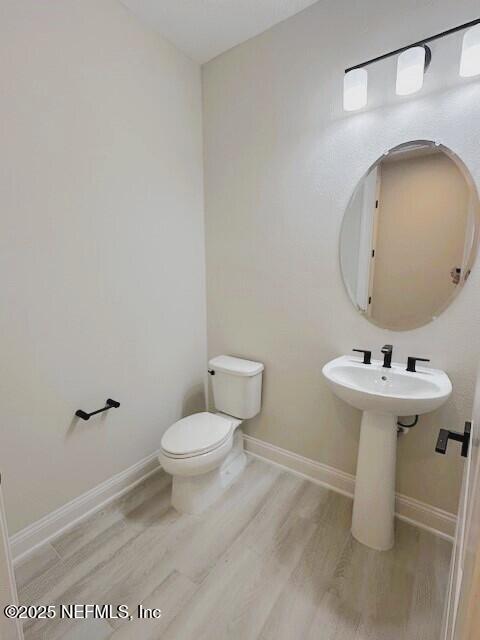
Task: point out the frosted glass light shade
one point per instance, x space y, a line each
470 60
410 71
355 89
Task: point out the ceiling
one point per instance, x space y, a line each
205 28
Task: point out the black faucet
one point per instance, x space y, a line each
411 362
367 355
387 355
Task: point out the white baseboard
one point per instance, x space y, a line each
53 524
418 513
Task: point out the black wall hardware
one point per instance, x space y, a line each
445 435
211 372
109 404
411 362
420 43
387 351
367 355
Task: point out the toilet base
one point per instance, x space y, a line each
194 494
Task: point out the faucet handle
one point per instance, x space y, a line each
367 355
411 362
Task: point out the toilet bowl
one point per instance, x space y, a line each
204 452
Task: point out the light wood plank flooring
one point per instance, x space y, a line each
273 560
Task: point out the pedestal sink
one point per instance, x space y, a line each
383 395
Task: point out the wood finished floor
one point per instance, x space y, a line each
272 560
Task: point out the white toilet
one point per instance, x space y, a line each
204 452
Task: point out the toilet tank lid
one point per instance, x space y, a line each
236 366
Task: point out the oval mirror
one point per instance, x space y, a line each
409 235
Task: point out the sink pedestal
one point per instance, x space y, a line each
374 502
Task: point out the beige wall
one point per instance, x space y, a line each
422 223
281 162
102 246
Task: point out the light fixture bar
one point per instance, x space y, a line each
420 43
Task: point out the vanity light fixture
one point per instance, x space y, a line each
355 89
413 61
411 67
470 60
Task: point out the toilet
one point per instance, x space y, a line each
204 452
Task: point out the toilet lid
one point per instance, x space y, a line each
198 433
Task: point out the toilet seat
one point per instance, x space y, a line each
196 435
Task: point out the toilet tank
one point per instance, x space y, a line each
237 386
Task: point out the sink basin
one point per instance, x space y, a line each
383 395
370 387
